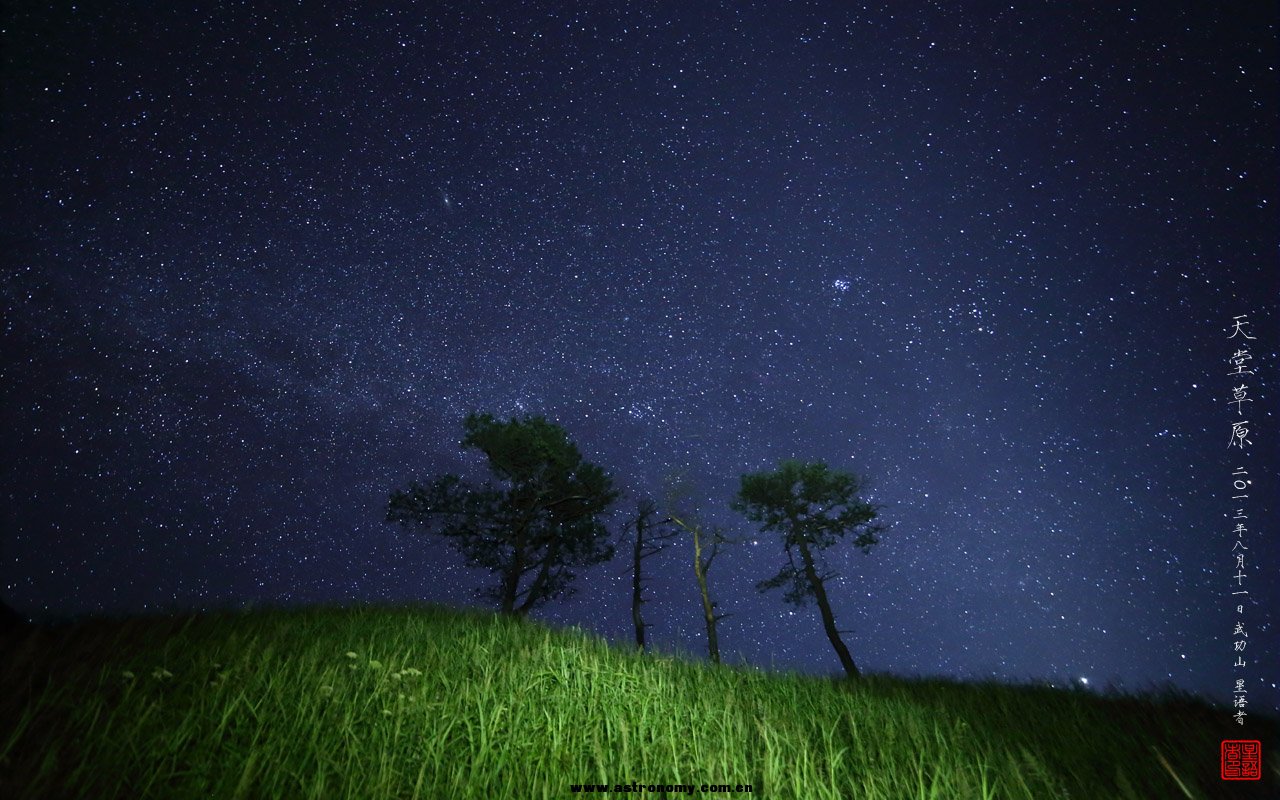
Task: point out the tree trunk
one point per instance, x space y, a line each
635 590
511 579
708 610
824 606
538 587
511 582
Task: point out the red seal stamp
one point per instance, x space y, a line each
1241 760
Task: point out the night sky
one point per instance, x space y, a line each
259 265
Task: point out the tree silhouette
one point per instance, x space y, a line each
812 507
706 546
649 536
533 528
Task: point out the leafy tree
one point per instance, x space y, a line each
813 507
648 542
534 526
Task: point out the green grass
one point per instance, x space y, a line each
433 703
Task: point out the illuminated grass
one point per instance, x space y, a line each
431 703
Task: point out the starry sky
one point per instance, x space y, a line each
260 263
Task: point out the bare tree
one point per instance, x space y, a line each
706 546
648 542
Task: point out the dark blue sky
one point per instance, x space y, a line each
259 264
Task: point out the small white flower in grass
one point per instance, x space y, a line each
127 675
375 664
395 676
160 673
351 654
386 712
411 671
326 690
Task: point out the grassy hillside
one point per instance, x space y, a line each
431 703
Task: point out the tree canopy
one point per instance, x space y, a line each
812 507
533 525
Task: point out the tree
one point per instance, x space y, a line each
649 536
813 507
532 528
708 541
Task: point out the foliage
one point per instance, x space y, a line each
808 504
534 525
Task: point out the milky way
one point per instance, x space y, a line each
260 264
